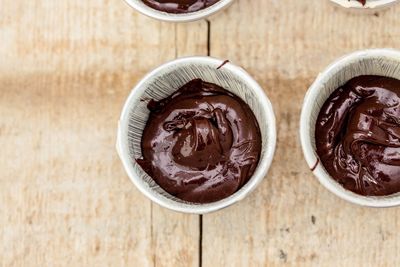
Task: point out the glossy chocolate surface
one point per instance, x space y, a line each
201 144
358 135
179 6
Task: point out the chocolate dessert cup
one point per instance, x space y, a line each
376 62
149 11
164 81
372 5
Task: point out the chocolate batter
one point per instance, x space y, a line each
201 144
358 135
179 6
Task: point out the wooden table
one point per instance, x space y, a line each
66 68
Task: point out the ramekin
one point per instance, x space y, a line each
369 5
185 17
162 82
383 62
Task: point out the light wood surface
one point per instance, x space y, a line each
66 68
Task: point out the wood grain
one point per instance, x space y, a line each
291 219
66 68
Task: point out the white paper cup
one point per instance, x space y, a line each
185 17
162 82
383 62
369 5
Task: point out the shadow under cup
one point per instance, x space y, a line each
164 81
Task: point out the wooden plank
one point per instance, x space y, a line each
66 68
291 219
176 236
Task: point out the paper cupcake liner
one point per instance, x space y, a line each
164 81
383 62
369 5
185 17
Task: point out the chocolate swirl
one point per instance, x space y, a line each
200 144
179 6
358 135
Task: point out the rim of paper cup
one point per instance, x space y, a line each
193 208
375 4
183 17
306 140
